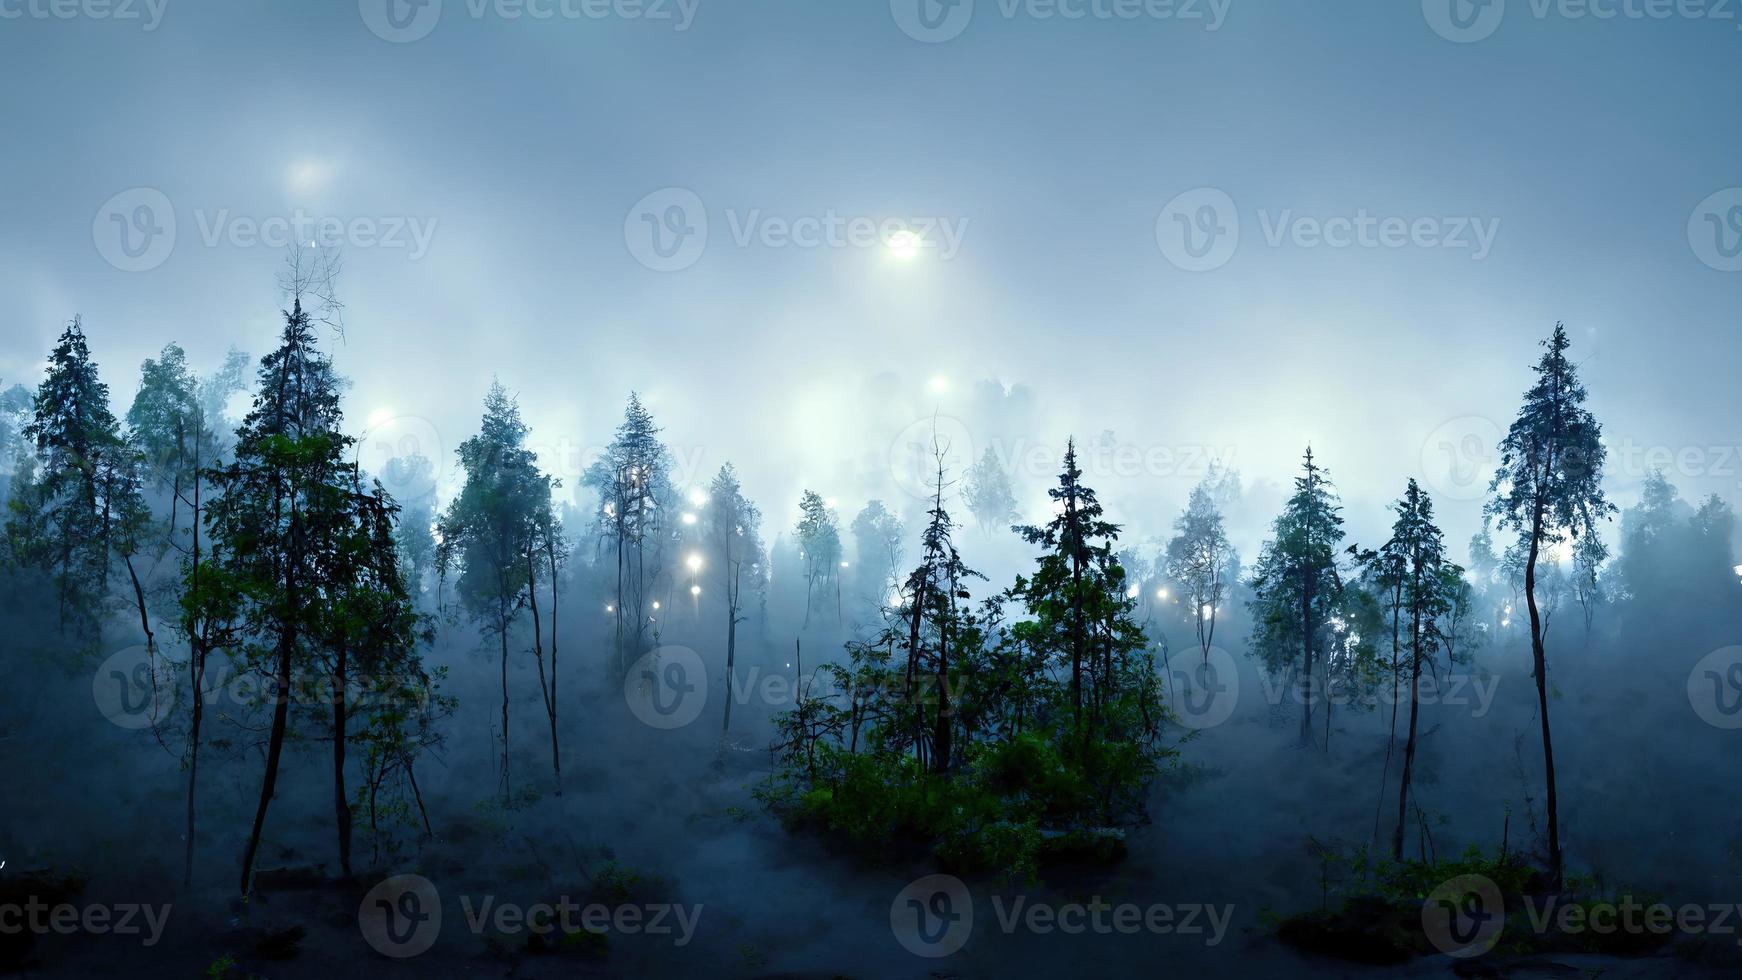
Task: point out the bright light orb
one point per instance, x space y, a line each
695 590
656 605
694 562
904 245
698 498
689 518
1161 594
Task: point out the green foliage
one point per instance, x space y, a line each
62 515
1374 915
992 746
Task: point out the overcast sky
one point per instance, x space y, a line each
1420 192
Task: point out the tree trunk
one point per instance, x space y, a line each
941 726
341 807
1391 739
144 619
556 760
731 643
1539 655
1306 616
507 787
547 692
1414 708
274 749
196 668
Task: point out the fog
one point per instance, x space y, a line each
857 249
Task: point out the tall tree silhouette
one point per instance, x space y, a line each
1295 582
1548 487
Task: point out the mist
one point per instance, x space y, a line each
869 489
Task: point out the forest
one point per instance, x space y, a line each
316 708
876 489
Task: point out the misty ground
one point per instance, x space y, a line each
1648 801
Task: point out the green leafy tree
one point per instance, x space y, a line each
1549 487
1296 585
819 543
1197 559
161 423
633 481
491 534
877 538
303 558
1081 614
1418 549
415 533
60 519
988 493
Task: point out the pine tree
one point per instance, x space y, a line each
1296 583
303 557
60 520
160 423
493 533
1423 572
1548 487
1081 615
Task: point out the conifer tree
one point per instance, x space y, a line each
303 557
493 534
1548 487
1296 585
60 519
